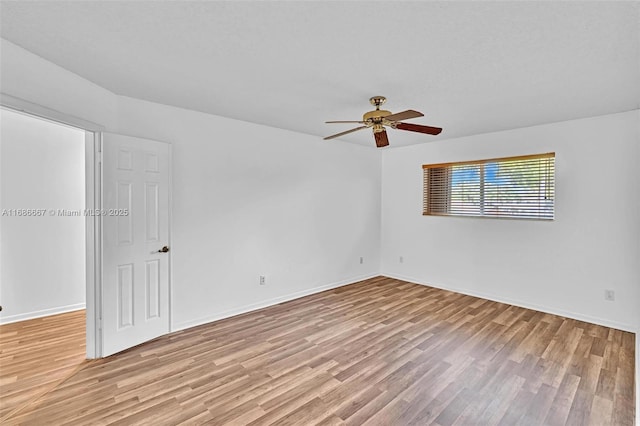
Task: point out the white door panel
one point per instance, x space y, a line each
135 287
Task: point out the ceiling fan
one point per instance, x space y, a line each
380 118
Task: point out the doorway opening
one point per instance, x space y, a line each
43 203
43 253
133 175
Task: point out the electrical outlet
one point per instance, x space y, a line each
401 259
609 295
361 260
263 280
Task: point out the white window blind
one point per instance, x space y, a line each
516 187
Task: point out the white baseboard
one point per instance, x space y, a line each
568 314
42 313
266 303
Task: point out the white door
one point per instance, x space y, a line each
135 223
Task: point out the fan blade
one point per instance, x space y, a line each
381 139
418 128
404 115
344 133
329 122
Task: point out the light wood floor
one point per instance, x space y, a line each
37 354
378 352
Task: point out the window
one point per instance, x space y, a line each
514 187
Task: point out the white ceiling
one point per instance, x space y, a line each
471 67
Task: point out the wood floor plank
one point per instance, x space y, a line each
377 352
36 354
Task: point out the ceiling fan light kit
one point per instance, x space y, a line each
379 118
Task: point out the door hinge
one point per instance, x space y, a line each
99 156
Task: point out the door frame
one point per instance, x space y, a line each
93 235
93 200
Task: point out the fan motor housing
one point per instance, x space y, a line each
375 115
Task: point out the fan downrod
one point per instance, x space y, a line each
376 101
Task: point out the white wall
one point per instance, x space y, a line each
561 266
43 257
250 200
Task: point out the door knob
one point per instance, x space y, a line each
164 249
